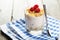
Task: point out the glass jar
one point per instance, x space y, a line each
34 15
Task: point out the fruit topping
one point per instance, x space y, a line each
32 9
37 10
36 6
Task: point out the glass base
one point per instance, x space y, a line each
36 33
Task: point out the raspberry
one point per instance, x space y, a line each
32 9
36 6
37 10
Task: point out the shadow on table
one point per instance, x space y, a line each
4 35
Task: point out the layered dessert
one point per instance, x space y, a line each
34 18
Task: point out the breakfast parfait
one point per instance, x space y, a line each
34 18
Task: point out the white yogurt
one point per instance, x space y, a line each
34 23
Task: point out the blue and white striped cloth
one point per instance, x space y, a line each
17 30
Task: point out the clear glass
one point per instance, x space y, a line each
34 23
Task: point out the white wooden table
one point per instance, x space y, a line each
53 9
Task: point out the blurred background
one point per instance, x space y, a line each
53 9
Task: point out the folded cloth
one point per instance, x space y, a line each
17 30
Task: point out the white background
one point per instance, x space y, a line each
19 6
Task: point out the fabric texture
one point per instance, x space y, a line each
17 30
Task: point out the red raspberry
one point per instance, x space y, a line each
32 9
36 6
37 10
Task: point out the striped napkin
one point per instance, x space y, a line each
16 30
